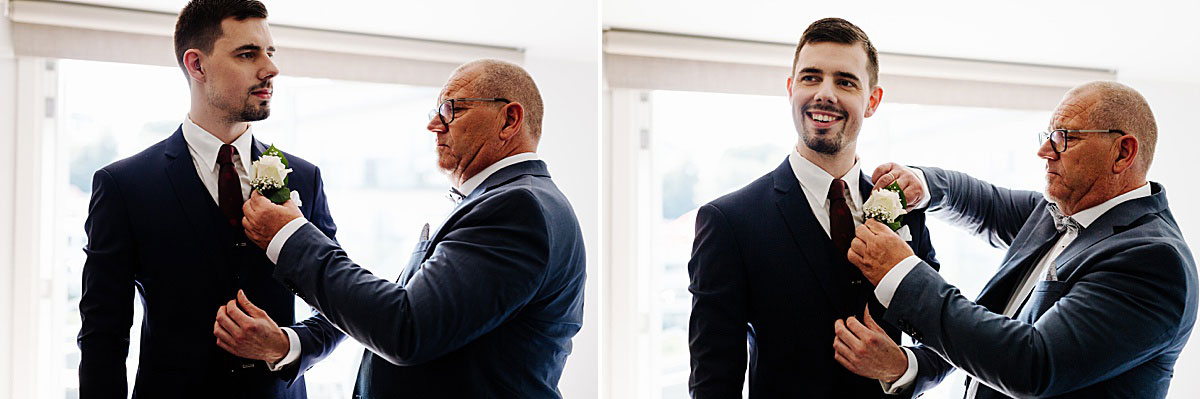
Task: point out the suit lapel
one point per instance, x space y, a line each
196 201
1023 254
812 240
1108 224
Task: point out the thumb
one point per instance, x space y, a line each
870 321
252 310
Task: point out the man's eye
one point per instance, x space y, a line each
808 78
848 83
246 55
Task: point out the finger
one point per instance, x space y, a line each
863 230
845 363
877 176
860 331
227 324
840 347
870 321
875 227
855 259
250 308
844 334
226 347
237 314
221 333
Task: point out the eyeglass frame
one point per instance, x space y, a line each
438 109
1049 136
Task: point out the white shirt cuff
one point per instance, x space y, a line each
293 351
907 379
891 281
282 236
924 203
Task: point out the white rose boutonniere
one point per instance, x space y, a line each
269 176
887 206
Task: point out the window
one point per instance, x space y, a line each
704 145
376 158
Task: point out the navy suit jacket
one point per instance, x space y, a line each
764 270
486 308
153 225
1112 326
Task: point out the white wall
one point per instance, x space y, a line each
8 79
1174 106
570 147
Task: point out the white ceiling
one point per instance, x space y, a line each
1147 38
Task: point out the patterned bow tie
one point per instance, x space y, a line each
455 195
1062 222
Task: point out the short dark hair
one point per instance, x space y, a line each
837 30
199 23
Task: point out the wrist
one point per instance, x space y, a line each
898 367
281 347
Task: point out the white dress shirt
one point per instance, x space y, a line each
204 147
467 187
815 183
891 281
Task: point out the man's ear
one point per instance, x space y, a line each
789 87
192 62
514 120
873 101
1127 153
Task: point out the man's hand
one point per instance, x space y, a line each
251 333
867 350
264 218
876 249
909 183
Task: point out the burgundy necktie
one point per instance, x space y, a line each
229 187
841 224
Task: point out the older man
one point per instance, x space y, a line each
1097 294
489 302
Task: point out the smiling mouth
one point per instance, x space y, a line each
823 119
262 94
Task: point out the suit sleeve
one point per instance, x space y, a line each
318 337
485 269
106 306
1115 317
718 324
993 213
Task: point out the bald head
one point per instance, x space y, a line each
1111 105
496 78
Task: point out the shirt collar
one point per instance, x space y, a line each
207 146
1088 216
471 184
817 180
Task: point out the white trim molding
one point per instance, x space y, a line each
77 31
664 61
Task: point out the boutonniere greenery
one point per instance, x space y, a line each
887 206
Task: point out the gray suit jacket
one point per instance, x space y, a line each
1112 326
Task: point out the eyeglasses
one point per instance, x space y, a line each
445 110
1058 137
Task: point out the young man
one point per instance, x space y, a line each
167 222
769 261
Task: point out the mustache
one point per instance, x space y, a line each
264 85
824 108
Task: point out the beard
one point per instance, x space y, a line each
244 109
822 140
254 112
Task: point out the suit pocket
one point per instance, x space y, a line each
1045 294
